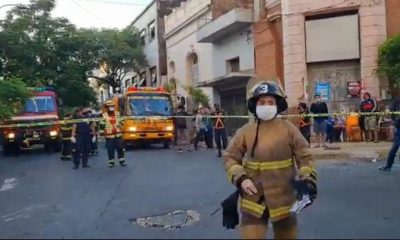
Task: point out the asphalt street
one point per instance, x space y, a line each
43 197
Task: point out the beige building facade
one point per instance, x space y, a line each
331 44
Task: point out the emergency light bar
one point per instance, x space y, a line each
146 89
41 89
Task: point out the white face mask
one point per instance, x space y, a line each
111 109
266 112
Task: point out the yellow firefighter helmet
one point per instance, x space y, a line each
109 103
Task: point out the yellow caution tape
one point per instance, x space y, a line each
166 119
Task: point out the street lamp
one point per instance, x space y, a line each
20 6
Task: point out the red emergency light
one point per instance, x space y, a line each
146 89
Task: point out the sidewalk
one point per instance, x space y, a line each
354 151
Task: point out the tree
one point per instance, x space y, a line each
389 60
13 92
120 52
198 95
48 51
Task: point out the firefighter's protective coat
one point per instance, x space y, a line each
280 154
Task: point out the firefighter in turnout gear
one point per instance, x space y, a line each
269 162
113 135
220 132
66 133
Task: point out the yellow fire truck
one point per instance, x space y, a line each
151 110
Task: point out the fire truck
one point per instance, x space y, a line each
151 110
41 112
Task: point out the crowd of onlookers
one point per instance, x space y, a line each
207 125
352 126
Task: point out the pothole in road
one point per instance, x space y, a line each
171 220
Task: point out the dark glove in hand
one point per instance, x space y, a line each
230 215
306 187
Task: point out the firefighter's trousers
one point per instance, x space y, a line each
82 146
115 144
283 229
66 153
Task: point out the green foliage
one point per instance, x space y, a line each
389 60
170 86
47 51
13 93
198 96
120 52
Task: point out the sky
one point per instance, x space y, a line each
92 13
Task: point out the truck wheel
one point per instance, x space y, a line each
166 144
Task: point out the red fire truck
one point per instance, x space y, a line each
40 114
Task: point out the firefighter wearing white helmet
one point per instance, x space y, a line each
269 162
113 134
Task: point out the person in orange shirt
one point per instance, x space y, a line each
353 130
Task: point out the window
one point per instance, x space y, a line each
142 82
127 83
152 30
153 76
192 68
332 38
40 104
134 79
195 72
143 37
233 65
172 66
102 99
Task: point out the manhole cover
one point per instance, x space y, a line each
172 220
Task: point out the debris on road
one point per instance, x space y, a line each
9 184
172 220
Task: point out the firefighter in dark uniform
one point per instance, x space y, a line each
66 133
113 135
82 137
220 132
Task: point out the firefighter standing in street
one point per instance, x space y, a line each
113 134
219 131
269 162
82 137
66 133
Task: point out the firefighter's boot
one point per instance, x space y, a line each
122 162
111 163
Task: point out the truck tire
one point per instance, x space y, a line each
166 144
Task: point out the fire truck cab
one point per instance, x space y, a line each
41 108
148 113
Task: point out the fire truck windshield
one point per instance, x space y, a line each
40 104
150 105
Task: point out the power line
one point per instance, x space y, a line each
116 3
90 13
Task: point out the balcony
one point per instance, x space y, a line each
229 81
188 11
224 25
